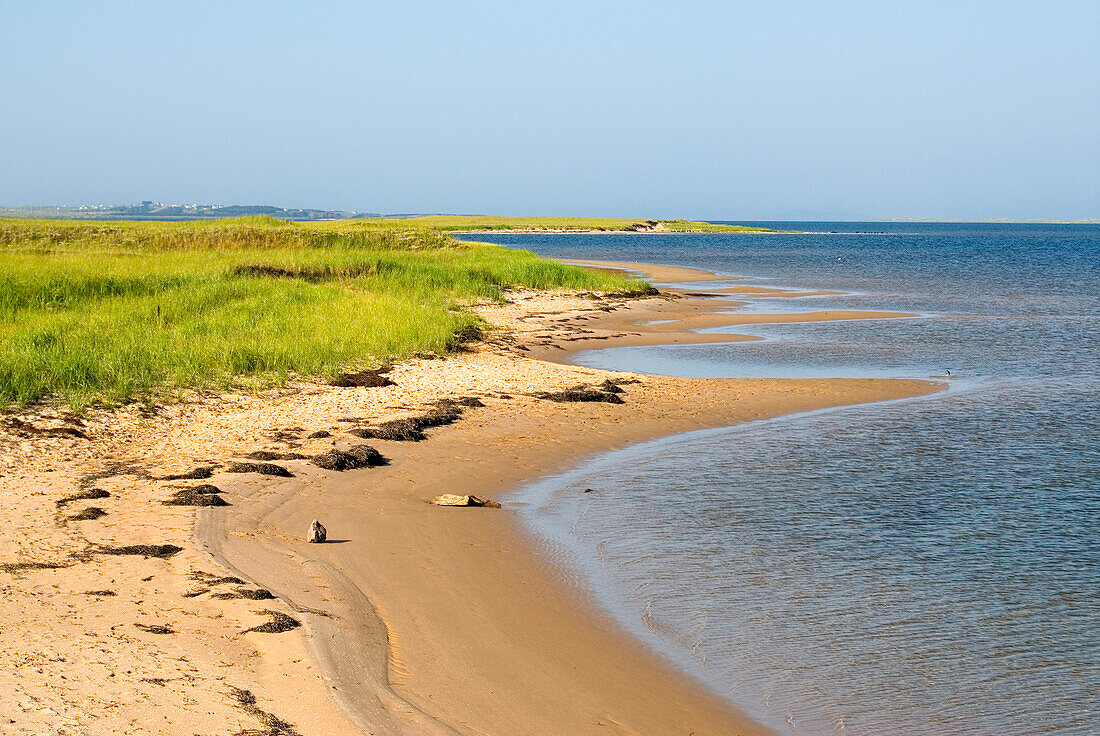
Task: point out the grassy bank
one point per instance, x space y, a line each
104 313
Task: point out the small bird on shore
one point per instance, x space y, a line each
947 373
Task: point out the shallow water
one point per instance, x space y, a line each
914 567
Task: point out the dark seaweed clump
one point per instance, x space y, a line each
581 393
212 579
200 495
273 726
26 429
197 474
648 291
161 551
359 456
89 514
112 470
288 435
411 429
252 594
18 567
261 468
375 378
279 623
468 334
156 629
88 495
269 455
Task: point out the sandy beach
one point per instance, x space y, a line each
412 618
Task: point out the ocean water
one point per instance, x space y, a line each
927 566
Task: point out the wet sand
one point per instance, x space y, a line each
416 619
673 317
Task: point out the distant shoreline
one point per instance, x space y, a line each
604 231
161 212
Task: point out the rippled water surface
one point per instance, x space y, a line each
929 566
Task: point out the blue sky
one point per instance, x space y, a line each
717 110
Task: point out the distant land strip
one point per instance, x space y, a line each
158 211
149 210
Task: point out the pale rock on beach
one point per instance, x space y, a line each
316 533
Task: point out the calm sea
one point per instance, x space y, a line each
928 566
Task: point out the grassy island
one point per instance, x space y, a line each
102 313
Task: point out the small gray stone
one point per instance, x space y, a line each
317 533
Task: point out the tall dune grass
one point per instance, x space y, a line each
107 313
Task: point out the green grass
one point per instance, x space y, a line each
103 313
464 222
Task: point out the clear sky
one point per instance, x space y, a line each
717 110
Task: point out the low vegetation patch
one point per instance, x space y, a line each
102 313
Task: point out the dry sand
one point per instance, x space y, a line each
416 619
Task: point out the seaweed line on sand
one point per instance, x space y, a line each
272 725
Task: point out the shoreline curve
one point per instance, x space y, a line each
413 618
512 560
